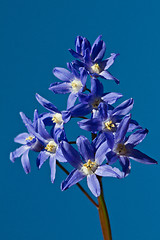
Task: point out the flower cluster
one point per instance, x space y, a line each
114 133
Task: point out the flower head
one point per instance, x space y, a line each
90 165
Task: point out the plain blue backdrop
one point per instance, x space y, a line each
35 36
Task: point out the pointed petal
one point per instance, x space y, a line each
21 138
123 108
59 155
94 185
18 152
75 54
71 155
42 157
111 157
101 53
71 100
122 129
103 110
106 75
96 87
126 165
63 74
110 60
74 177
111 97
91 125
46 104
101 152
137 137
141 157
85 148
52 163
25 162
107 171
60 88
80 110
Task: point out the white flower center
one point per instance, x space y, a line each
96 68
51 146
121 149
76 85
57 118
89 167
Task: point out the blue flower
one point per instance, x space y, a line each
51 147
123 148
107 120
28 141
91 58
73 82
90 103
91 166
55 118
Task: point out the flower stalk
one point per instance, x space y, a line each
103 215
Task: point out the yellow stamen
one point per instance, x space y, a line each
109 125
89 167
29 138
96 68
51 146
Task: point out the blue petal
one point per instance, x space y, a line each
80 110
26 120
96 87
103 110
122 129
133 125
126 165
21 138
96 47
74 177
66 116
98 140
78 43
111 97
101 53
61 88
71 155
110 60
107 171
87 58
75 54
123 108
94 185
111 157
101 152
42 130
63 74
91 125
71 100
46 104
106 75
85 45
52 163
136 137
83 75
141 157
42 157
59 156
25 162
18 152
85 148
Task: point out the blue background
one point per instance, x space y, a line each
35 36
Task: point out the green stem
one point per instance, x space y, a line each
103 215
